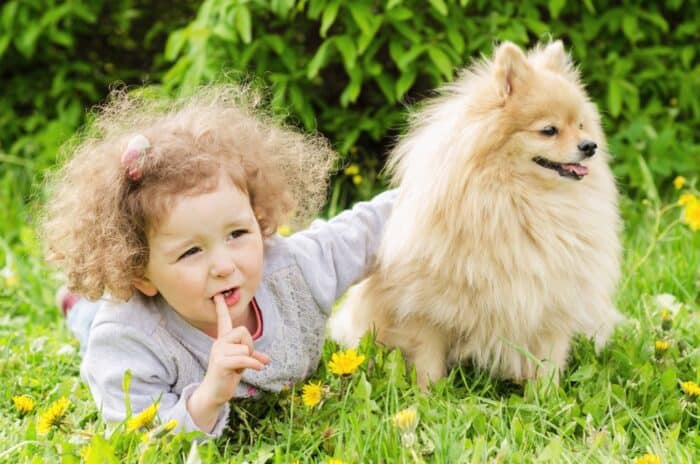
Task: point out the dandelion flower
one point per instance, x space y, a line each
345 362
357 179
668 302
142 419
334 461
679 182
284 230
312 393
691 389
661 346
686 199
691 215
352 170
405 420
23 403
53 416
666 319
648 459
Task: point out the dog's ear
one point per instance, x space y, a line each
510 69
555 58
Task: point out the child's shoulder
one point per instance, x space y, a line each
139 313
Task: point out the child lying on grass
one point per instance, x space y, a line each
169 215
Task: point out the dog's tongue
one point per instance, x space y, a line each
576 168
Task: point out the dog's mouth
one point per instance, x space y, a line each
571 170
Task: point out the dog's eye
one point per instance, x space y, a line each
549 131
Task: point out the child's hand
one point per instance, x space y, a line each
230 355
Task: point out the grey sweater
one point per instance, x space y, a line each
303 275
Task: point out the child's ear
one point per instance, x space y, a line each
145 286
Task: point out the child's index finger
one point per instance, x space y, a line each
223 318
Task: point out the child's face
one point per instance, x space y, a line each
209 243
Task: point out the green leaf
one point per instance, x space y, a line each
555 7
174 45
441 61
352 90
456 39
648 180
386 85
589 6
4 42
319 60
405 82
345 45
399 14
329 15
244 23
630 27
362 17
9 13
440 6
26 41
614 97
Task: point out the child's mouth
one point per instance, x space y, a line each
232 296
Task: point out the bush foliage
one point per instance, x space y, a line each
350 69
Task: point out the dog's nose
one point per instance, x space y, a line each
587 147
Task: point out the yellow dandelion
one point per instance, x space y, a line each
661 346
405 420
352 170
345 362
53 416
312 393
666 319
691 215
691 389
23 403
284 230
334 461
170 426
679 182
648 459
687 199
142 419
357 179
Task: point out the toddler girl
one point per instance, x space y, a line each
168 214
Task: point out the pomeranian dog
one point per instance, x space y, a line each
503 242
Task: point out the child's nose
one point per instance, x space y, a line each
222 264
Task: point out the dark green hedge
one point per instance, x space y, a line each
349 69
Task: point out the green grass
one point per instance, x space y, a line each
610 407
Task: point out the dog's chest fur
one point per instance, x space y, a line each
513 266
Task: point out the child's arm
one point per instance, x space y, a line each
115 348
335 254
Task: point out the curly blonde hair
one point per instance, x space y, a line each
96 221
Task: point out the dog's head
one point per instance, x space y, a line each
549 127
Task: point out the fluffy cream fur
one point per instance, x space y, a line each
489 256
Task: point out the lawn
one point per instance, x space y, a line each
637 401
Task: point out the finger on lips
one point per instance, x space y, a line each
223 318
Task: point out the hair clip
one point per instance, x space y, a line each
135 151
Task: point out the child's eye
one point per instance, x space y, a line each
237 233
189 252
